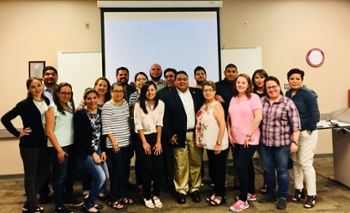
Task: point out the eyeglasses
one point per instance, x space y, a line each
208 90
272 87
141 79
118 91
65 93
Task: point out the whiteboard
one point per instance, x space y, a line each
80 69
246 59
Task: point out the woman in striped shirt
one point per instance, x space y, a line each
116 125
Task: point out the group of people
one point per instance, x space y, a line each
167 124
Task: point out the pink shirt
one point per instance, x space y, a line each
242 116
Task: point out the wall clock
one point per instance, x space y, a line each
315 57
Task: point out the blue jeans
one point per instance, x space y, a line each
99 174
275 160
120 169
59 174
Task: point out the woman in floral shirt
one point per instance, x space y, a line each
211 134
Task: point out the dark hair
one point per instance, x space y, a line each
50 68
230 66
122 68
296 71
272 78
170 70
88 91
117 84
140 73
143 98
260 72
29 81
199 68
108 94
57 101
209 83
180 72
249 90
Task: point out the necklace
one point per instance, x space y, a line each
39 103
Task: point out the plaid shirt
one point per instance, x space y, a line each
279 122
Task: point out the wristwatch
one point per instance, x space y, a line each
218 143
296 142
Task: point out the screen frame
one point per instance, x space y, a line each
207 9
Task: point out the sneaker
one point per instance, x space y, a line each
72 202
282 203
267 198
63 209
239 206
251 197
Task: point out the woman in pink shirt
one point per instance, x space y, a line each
244 117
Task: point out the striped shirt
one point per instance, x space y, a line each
116 120
279 122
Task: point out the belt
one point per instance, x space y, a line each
190 130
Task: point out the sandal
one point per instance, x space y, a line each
148 203
212 197
263 189
299 193
217 201
91 210
126 200
310 202
157 202
39 209
101 197
116 205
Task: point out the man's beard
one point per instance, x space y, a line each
156 78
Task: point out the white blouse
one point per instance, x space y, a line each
148 122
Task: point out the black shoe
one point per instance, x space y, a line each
181 198
267 198
63 209
310 202
72 202
299 193
196 197
43 199
281 204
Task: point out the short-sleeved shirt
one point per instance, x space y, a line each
280 120
64 126
116 120
242 116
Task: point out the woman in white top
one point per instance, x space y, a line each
148 119
60 133
211 134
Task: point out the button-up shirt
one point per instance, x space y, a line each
148 122
280 120
187 102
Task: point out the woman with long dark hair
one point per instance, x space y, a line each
148 119
60 133
32 143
